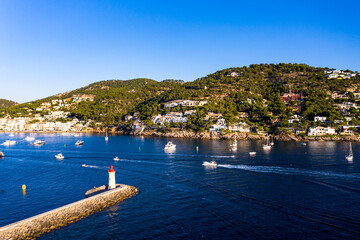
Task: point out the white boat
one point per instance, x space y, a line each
350 156
252 153
210 164
79 143
303 144
272 141
29 138
106 136
59 156
84 165
169 146
234 145
11 135
2 154
39 143
9 142
267 146
116 158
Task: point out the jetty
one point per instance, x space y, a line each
96 200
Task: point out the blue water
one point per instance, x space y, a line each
290 192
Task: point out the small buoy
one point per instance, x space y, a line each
139 149
197 148
24 187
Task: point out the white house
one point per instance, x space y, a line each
321 131
320 119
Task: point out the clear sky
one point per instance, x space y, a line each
51 46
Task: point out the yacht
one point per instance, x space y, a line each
350 156
252 153
8 143
170 146
59 156
2 154
210 164
29 138
39 143
79 143
116 158
267 146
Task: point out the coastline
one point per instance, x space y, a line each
206 135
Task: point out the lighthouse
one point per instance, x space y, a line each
112 183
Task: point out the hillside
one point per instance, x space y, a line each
6 103
266 95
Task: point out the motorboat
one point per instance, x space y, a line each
59 156
2 154
169 146
303 144
11 135
350 156
39 142
84 165
9 142
29 138
116 158
210 164
252 153
79 143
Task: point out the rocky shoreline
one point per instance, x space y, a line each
212 135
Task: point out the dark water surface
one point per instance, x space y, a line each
290 192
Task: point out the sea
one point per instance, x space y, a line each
293 191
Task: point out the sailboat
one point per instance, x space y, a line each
350 156
106 136
272 141
267 146
234 145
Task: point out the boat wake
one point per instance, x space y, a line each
93 166
288 171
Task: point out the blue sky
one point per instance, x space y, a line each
49 47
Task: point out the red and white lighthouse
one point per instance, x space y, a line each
112 183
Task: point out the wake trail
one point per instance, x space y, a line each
288 171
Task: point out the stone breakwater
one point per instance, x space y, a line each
33 227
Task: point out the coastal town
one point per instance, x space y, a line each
55 115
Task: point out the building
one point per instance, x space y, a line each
239 127
319 119
321 131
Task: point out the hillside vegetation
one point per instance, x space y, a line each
256 90
6 103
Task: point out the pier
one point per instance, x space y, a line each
33 227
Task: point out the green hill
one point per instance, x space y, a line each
6 103
260 90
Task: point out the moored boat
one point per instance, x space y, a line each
29 138
350 156
267 146
169 146
210 164
59 156
2 154
252 153
9 142
39 142
79 143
